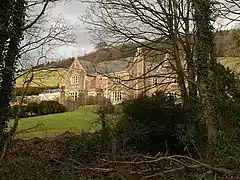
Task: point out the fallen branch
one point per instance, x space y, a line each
150 167
213 169
162 173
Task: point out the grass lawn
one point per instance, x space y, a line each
82 119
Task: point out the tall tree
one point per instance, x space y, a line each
27 37
206 64
162 27
183 29
12 15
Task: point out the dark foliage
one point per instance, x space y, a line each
37 109
32 108
104 108
148 123
50 107
21 111
88 147
12 19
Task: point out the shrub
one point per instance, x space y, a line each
226 149
23 111
148 124
104 108
50 107
189 129
35 109
32 108
88 147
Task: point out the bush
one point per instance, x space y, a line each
35 109
88 147
148 124
104 108
32 108
226 149
50 107
23 111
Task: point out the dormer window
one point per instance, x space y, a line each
74 80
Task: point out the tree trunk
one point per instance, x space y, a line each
206 62
9 55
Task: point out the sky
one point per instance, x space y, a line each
71 10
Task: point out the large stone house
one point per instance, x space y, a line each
116 80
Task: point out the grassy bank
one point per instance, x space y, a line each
82 119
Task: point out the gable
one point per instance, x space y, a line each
76 65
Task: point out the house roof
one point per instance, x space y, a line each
88 66
106 67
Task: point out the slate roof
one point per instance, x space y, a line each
107 67
88 66
113 66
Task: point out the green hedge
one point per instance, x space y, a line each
37 109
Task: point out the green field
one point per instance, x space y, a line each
83 119
232 62
42 78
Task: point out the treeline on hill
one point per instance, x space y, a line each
227 42
37 109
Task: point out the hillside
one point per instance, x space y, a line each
231 62
227 45
41 78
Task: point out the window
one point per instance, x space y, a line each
118 79
74 80
74 95
154 82
117 96
172 94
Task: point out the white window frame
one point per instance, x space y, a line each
117 96
74 80
74 95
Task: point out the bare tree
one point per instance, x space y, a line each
173 27
37 36
157 26
41 40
